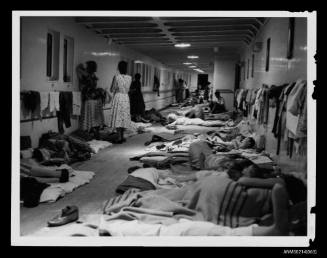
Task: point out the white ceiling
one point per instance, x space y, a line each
156 36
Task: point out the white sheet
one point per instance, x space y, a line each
56 190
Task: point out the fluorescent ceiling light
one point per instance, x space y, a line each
138 62
182 45
192 66
198 70
187 63
192 57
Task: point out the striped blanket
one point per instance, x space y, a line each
214 198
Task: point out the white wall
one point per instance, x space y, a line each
281 71
87 46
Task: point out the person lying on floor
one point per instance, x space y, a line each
174 120
258 201
194 112
202 155
190 149
45 174
240 142
233 167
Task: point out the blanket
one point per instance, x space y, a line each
57 190
214 198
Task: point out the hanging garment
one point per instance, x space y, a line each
281 120
274 93
265 106
294 106
120 112
256 106
77 103
243 102
31 103
54 101
297 107
235 98
66 105
44 101
239 98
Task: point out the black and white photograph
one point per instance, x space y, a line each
163 128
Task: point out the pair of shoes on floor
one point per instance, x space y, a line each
68 214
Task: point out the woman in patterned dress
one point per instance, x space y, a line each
92 117
120 118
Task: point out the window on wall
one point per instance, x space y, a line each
52 69
68 59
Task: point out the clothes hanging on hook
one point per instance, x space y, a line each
54 101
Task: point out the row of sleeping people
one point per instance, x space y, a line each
199 189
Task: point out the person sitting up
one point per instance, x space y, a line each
217 106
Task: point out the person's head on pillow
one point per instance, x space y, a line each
172 118
244 168
247 143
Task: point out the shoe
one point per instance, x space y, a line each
68 214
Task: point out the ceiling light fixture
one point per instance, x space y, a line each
187 63
198 70
192 57
138 62
192 66
182 45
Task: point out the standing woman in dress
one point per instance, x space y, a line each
120 118
136 99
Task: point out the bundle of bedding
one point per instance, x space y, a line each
201 206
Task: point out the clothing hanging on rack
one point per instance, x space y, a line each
54 101
44 103
31 103
274 94
77 103
66 104
281 120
